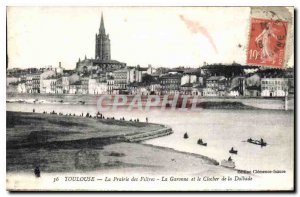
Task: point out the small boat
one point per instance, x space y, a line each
82 102
228 163
260 142
200 142
232 151
185 136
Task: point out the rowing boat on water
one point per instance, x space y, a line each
257 142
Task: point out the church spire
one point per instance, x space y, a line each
102 45
102 28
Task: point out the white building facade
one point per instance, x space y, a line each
274 87
96 87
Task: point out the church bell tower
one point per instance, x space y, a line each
102 49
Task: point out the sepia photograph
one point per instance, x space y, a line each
150 98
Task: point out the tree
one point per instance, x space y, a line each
147 79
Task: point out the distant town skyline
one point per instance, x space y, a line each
169 37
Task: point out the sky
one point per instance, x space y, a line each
168 37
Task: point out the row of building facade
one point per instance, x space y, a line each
146 81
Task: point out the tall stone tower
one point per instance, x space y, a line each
102 49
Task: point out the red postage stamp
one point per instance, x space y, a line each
267 42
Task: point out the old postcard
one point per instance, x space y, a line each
150 99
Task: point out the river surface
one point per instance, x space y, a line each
221 129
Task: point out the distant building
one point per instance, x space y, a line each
150 70
110 85
131 74
67 79
238 86
155 88
291 84
187 78
216 82
170 83
242 86
76 88
249 86
139 72
12 84
33 83
47 73
102 61
60 69
290 75
48 86
12 88
252 91
132 88
97 87
143 90
85 85
253 80
215 86
88 66
138 89
178 70
36 83
21 87
201 80
186 89
135 74
12 80
65 84
102 48
274 87
59 86
120 81
233 93
197 90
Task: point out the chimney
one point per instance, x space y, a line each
59 64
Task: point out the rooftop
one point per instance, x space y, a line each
199 86
235 88
171 76
98 61
141 69
215 78
179 70
187 85
76 83
121 70
52 77
253 88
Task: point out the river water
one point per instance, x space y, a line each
221 129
